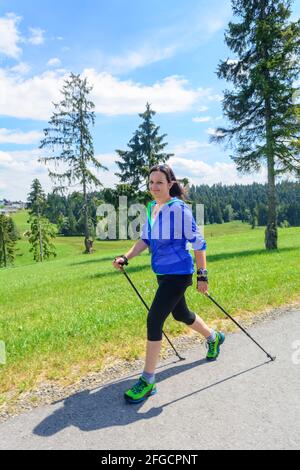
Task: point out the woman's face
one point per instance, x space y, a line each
159 186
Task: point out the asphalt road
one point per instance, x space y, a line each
243 401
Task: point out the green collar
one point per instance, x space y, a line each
152 203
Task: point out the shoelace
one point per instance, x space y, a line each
137 388
210 347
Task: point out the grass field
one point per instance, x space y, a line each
76 314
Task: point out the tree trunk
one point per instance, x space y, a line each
3 247
88 246
87 242
271 234
40 240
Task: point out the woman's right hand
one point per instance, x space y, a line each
118 263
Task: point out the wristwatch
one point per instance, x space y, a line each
202 279
202 272
202 275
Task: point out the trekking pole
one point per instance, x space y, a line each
273 358
133 286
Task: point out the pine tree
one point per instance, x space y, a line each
146 149
71 142
253 217
8 236
262 108
40 236
133 159
152 145
56 207
36 201
13 230
42 231
228 213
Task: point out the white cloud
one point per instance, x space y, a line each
190 146
199 172
232 61
19 168
107 159
2 185
21 69
29 98
108 178
214 24
142 57
20 159
8 136
37 36
5 158
32 97
113 96
214 132
10 36
55 62
202 119
214 96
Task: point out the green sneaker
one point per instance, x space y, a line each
214 348
140 391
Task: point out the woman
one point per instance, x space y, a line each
174 267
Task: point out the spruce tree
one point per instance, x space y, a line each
152 145
146 149
8 238
261 105
132 161
71 142
41 230
40 236
36 201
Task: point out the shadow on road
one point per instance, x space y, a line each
92 410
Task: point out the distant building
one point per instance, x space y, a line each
8 207
4 210
7 210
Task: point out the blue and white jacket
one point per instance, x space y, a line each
168 236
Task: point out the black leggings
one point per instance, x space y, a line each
169 298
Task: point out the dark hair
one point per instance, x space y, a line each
177 189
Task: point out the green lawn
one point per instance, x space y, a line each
75 314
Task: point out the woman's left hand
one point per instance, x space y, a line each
202 287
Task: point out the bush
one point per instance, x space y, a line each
284 224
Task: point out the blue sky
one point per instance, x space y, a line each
165 52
